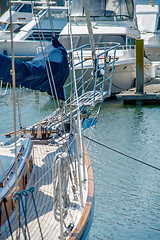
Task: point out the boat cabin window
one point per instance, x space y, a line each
16 27
101 8
131 41
36 36
54 13
80 40
16 6
3 26
158 24
7 27
26 8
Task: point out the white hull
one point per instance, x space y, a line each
152 52
22 48
147 13
124 75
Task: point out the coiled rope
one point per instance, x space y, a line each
124 154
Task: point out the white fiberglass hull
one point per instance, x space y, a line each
152 52
124 75
21 48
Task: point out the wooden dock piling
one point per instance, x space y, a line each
140 66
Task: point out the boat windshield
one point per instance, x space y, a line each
16 6
104 8
82 39
43 14
7 27
3 26
26 8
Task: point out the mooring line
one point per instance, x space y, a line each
124 154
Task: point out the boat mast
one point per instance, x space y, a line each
50 18
91 37
14 109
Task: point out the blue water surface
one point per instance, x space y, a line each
127 193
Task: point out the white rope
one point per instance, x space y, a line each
79 135
52 78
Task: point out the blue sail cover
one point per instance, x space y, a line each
34 75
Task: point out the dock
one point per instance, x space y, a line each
150 95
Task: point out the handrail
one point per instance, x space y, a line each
97 43
104 51
114 17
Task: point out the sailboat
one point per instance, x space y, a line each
47 187
112 21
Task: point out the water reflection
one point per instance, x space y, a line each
34 106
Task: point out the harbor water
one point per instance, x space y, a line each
127 193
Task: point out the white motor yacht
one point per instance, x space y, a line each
27 42
148 21
113 22
22 13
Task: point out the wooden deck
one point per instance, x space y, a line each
43 183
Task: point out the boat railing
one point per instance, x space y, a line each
91 74
56 12
128 50
115 18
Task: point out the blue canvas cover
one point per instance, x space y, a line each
33 74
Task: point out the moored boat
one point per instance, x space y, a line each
113 22
28 37
22 13
52 190
148 21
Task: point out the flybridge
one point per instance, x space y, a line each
148 16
